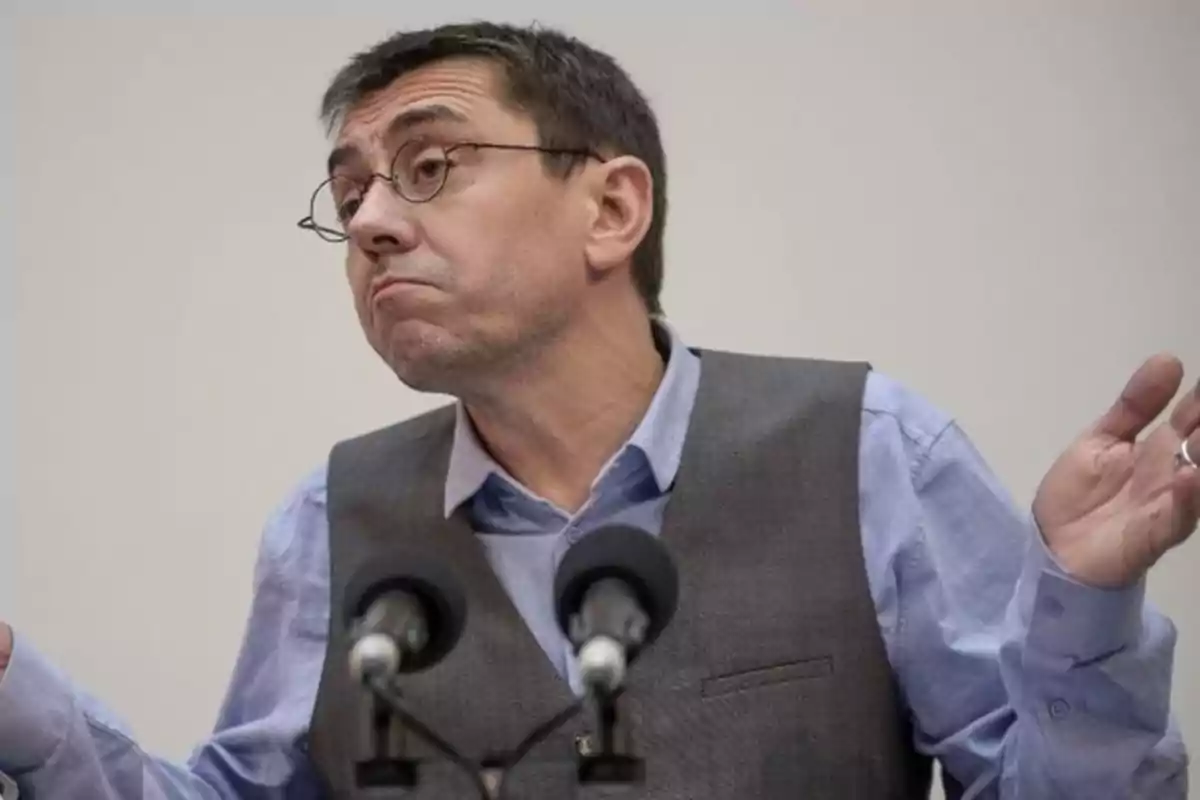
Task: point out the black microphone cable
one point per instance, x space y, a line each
385 691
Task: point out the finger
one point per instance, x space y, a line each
1186 496
1185 417
1144 397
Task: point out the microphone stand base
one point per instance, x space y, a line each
380 772
611 768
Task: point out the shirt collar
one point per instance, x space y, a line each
659 436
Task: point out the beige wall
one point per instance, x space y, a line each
1000 208
7 309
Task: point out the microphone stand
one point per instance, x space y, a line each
389 765
612 762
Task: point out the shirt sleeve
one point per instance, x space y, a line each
1021 682
58 742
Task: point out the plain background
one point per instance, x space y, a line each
7 307
998 204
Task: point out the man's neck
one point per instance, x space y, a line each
556 424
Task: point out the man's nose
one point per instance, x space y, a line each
384 221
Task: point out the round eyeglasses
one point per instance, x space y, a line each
418 173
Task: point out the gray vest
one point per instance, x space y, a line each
771 681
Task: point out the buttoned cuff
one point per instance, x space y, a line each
1072 621
36 704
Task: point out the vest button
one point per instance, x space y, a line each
583 745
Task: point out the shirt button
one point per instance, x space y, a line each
574 534
1059 709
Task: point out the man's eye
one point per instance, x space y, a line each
347 208
427 169
344 196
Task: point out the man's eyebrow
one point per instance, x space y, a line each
423 115
402 122
339 156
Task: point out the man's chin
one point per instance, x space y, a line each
425 381
429 364
428 358
420 373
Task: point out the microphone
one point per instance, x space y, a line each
615 591
404 613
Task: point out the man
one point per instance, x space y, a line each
858 597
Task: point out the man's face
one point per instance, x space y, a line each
454 289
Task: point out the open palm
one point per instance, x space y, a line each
1115 501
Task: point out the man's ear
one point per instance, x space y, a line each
622 195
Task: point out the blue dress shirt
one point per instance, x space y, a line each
1021 682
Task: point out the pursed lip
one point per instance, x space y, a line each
383 283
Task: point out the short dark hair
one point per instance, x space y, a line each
577 96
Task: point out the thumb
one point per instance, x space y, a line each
1145 396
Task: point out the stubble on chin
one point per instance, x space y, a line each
430 359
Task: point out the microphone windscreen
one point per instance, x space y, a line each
629 554
430 581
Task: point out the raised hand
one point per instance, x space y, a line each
1113 503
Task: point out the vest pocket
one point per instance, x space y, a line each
787 672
